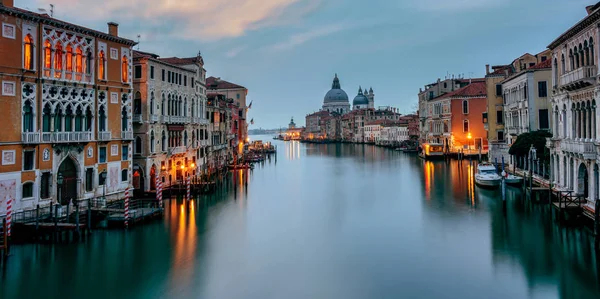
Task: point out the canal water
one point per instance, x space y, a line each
326 221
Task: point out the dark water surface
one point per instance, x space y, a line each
326 221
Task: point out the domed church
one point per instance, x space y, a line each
336 100
364 100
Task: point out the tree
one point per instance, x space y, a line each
524 142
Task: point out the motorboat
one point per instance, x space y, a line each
513 180
430 151
487 176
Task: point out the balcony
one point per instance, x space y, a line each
586 149
104 136
127 135
66 137
219 147
154 118
30 137
137 118
177 119
164 118
581 77
177 150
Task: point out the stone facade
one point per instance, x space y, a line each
574 145
170 119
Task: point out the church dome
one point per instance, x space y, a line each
336 94
360 99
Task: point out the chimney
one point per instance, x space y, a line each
506 72
7 3
589 9
113 29
487 69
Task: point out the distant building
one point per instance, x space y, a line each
293 132
238 94
336 99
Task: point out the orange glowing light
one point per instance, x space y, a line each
193 165
469 136
182 167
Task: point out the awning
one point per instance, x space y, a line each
175 127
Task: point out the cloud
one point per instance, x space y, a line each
185 19
235 51
455 5
301 38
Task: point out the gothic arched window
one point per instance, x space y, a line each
58 60
28 52
101 66
124 120
27 117
124 69
79 60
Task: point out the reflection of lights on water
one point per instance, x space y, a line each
428 177
471 183
293 150
185 244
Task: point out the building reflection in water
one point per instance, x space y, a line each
525 239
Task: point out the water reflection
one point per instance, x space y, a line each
327 221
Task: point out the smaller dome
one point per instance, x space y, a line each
360 99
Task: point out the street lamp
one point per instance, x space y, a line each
59 181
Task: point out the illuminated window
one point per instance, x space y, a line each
79 60
69 58
47 54
58 60
124 69
101 65
28 52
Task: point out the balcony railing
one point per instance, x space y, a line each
127 135
164 118
104 136
56 137
137 118
585 72
153 118
177 119
585 148
219 147
177 150
30 137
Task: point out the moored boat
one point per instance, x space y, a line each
431 151
513 180
487 176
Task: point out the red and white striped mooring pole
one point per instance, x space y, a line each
158 191
188 189
8 215
127 207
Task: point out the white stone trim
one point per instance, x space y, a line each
6 31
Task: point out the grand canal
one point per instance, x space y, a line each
326 221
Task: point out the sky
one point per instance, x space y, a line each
286 52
